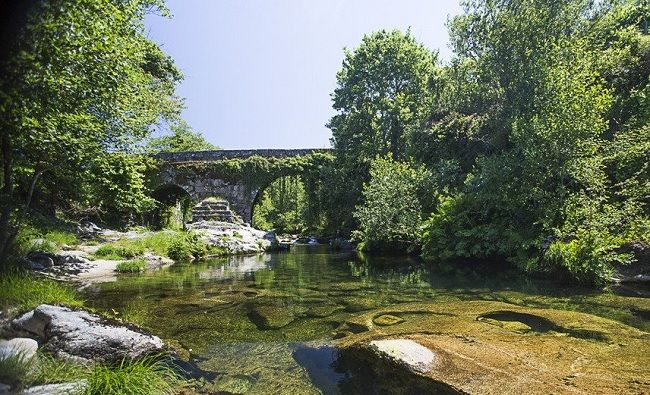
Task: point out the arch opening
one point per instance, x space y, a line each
282 206
173 207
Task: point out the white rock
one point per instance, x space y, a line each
405 352
18 346
57 389
81 336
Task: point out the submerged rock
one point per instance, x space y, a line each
492 347
270 317
387 320
84 337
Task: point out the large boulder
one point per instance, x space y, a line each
485 347
84 337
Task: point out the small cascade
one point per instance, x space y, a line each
214 210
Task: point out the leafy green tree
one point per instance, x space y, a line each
390 216
80 79
543 135
384 93
182 138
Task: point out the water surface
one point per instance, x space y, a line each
263 324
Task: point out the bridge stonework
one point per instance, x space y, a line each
241 194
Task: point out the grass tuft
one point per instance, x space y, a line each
148 376
119 250
25 292
134 266
15 369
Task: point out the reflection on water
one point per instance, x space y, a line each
261 324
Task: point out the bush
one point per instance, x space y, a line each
589 256
26 292
135 266
32 238
390 216
189 246
119 251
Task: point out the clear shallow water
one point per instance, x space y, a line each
258 324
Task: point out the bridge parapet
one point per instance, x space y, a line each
213 156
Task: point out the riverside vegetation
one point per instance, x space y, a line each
529 147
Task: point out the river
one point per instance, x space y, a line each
263 324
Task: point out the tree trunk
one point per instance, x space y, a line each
6 194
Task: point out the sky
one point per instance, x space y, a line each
259 73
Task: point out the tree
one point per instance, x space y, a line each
527 91
390 216
384 92
80 79
182 138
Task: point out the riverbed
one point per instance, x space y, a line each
265 323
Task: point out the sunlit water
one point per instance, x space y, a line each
213 309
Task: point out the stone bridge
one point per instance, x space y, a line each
237 176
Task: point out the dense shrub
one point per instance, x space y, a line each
390 215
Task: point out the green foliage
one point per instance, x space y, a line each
117 185
182 138
186 247
390 215
282 206
15 369
41 234
588 256
522 137
120 250
144 377
155 242
134 266
384 93
151 375
81 80
24 292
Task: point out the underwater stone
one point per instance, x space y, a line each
270 317
387 320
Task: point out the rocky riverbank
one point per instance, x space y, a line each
84 264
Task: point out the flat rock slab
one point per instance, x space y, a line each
23 347
84 337
483 347
405 352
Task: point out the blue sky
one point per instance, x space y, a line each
259 73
